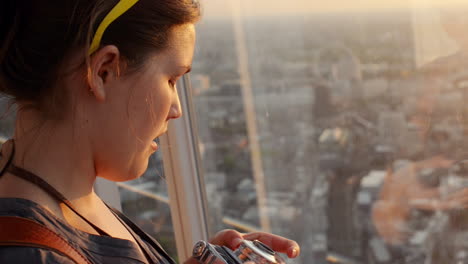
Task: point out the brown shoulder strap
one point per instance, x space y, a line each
18 231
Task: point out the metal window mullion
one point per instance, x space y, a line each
184 181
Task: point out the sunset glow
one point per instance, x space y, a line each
218 8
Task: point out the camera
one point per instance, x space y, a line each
255 251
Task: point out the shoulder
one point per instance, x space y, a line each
24 215
31 255
97 249
41 233
27 209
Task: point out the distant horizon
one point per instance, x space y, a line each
310 14
216 9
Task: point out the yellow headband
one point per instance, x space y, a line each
118 10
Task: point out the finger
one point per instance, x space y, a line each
424 204
219 261
459 194
458 203
437 162
462 199
277 243
229 238
422 193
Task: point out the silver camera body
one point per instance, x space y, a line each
255 251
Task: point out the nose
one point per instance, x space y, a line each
176 110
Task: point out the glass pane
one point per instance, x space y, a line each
146 202
339 124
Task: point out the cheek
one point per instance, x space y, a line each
143 110
123 140
158 107
125 156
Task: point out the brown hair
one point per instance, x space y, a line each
36 37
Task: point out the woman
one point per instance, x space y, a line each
94 82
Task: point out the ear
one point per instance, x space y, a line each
103 69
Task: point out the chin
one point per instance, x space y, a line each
132 173
128 164
137 171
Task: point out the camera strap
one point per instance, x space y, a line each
18 231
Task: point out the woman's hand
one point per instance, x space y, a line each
403 192
406 189
232 239
456 201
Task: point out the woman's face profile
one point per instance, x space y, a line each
137 109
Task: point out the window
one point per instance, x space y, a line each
337 124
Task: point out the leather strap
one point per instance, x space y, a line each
18 231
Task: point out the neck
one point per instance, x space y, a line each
56 152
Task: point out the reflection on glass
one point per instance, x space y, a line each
360 121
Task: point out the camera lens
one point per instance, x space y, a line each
198 249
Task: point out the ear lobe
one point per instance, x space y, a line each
96 86
102 71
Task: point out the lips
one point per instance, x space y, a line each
154 145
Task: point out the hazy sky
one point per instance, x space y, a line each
217 8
